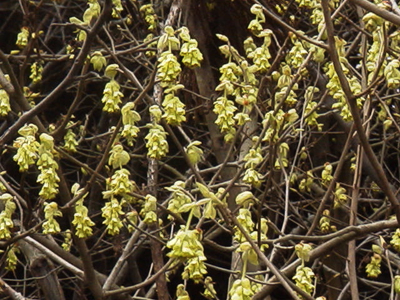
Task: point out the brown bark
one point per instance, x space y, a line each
44 272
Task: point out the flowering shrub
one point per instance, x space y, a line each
243 149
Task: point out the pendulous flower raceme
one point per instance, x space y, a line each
36 72
373 268
252 159
297 53
241 289
310 110
194 153
304 276
22 37
334 85
277 122
156 144
112 212
392 74
51 226
83 224
48 167
70 142
225 111
326 174
261 55
118 157
12 259
149 209
119 185
209 291
67 244
5 107
27 147
395 241
6 222
174 109
168 69
132 219
284 94
340 197
178 199
130 117
325 222
255 24
98 61
186 247
190 53
117 8
181 293
282 161
112 94
150 16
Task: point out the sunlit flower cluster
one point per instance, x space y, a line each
83 224
119 185
296 54
67 243
252 159
168 69
311 108
178 198
98 61
36 72
12 259
22 37
194 152
112 212
6 222
190 53
277 122
373 268
156 144
117 8
334 85
70 141
48 167
112 94
186 247
395 241
241 289
340 197
149 16
27 147
174 109
130 117
284 81
118 157
5 107
304 277
149 209
50 225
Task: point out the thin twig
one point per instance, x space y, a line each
352 102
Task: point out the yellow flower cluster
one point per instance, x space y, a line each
51 226
129 119
48 167
83 224
186 247
6 222
112 94
27 147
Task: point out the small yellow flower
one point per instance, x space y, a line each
23 37
51 226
